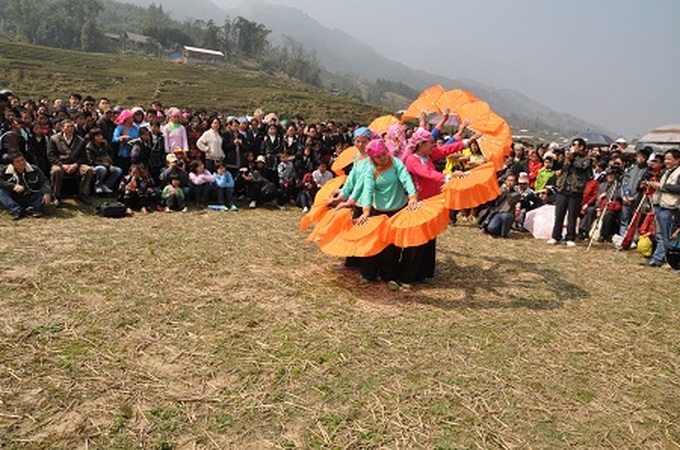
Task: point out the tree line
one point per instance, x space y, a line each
82 24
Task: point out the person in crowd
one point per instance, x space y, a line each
588 211
201 183
631 188
174 167
233 147
571 182
210 143
528 201
124 136
321 175
666 202
225 187
546 175
308 188
137 190
173 195
261 183
502 213
67 156
99 157
272 146
174 133
107 124
24 188
609 205
36 152
534 164
286 176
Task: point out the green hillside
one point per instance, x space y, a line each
32 71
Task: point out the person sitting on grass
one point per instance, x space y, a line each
502 214
225 187
137 190
201 183
99 155
173 195
24 189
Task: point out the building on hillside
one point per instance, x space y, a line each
203 56
135 43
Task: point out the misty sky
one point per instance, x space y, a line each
614 63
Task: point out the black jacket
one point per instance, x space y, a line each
32 179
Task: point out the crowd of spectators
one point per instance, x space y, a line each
169 160
137 155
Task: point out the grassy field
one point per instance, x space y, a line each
226 330
32 71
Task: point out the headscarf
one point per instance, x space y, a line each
419 136
363 131
174 112
376 147
123 116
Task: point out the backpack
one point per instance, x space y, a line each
112 209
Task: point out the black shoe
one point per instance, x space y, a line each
84 199
651 264
16 214
32 212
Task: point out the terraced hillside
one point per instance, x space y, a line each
32 71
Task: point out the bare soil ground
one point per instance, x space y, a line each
227 330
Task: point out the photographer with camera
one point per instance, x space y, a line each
571 181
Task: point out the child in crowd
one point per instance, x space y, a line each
225 187
201 183
173 195
137 190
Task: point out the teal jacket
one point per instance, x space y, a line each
388 190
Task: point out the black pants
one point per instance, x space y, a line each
386 263
566 205
417 263
201 193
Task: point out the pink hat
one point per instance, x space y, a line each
376 147
123 116
174 112
419 136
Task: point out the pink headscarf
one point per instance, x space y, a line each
419 136
123 116
376 147
174 112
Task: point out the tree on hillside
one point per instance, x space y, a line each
251 37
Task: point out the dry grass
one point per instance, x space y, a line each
226 330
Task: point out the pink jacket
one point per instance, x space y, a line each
427 179
201 178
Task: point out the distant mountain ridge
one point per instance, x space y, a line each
343 54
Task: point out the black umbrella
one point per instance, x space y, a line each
593 138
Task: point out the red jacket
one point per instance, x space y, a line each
427 179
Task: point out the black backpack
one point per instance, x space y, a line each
112 209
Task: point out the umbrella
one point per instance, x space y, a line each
358 240
381 124
343 160
411 228
667 134
452 121
321 201
454 99
426 101
331 224
474 188
539 222
593 138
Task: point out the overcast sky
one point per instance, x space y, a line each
612 62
